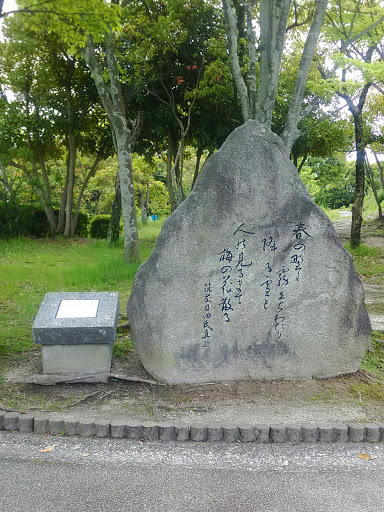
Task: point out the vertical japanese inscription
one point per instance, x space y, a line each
207 314
279 273
276 282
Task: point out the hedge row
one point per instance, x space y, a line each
23 220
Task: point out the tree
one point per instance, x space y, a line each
56 110
257 97
352 29
92 26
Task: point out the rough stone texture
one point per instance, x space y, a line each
248 278
166 431
262 433
326 433
247 433
372 433
198 432
119 429
181 432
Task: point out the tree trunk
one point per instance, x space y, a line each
373 186
234 63
290 130
357 207
71 160
114 223
199 154
170 186
90 174
273 23
112 99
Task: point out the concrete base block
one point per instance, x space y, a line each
215 432
2 414
247 433
92 358
166 431
102 428
181 432
40 425
372 433
26 423
72 427
262 433
326 433
198 432
87 427
293 433
356 432
134 430
11 421
340 432
278 433
119 429
56 426
230 433
150 431
309 433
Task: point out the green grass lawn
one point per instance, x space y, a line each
30 268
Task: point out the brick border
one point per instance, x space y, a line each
196 432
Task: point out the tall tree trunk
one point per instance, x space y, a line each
234 63
113 102
273 23
358 202
90 174
373 185
170 184
199 154
114 223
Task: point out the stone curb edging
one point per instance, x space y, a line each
197 432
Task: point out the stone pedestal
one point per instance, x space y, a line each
77 331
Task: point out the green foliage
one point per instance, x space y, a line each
374 359
369 261
23 220
330 181
99 226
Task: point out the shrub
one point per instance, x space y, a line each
82 226
99 226
24 220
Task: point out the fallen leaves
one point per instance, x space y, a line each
48 449
365 456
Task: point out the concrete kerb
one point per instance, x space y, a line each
196 432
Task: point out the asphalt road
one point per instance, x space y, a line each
108 475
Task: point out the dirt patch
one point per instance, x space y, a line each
323 400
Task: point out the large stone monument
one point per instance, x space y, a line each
248 279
